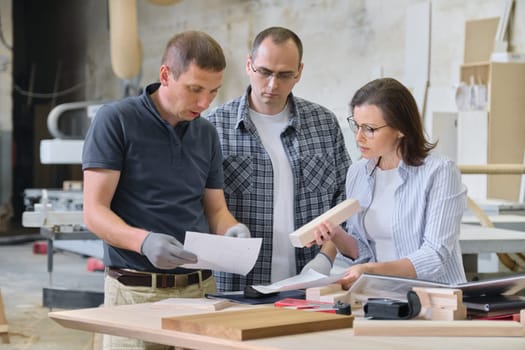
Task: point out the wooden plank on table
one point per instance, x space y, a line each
257 323
419 328
335 215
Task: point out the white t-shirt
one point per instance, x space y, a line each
269 128
378 219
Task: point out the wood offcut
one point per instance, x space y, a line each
4 329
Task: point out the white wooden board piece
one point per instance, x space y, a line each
336 215
427 328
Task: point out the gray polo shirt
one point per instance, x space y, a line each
163 170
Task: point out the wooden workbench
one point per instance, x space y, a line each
144 321
475 239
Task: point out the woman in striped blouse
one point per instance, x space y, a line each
412 201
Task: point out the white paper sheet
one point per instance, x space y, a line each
308 279
221 253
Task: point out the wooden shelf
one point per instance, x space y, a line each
475 64
503 127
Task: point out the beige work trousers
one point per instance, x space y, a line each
116 293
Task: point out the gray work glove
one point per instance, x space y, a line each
239 230
165 251
321 263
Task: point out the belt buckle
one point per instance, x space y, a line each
180 280
161 280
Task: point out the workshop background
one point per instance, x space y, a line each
55 52
58 51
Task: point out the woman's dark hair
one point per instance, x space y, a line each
193 47
400 112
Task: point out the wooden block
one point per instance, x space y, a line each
447 315
315 293
441 303
257 323
4 328
422 328
336 215
331 293
194 303
343 297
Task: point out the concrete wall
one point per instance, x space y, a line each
346 43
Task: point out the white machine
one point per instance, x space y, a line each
59 209
67 148
59 212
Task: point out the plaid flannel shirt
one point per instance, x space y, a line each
315 147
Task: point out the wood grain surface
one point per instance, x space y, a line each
418 328
257 323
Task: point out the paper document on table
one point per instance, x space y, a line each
222 253
308 279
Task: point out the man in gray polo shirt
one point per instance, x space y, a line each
152 171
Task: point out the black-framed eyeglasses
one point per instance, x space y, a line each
366 130
268 74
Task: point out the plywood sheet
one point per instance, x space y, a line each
419 328
479 39
506 128
257 323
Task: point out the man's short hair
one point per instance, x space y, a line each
193 47
279 35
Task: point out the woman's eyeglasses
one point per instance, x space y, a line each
366 130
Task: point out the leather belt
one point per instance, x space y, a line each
158 280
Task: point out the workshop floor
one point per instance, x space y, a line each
23 275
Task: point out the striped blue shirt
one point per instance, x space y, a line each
426 218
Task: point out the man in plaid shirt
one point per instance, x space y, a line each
285 161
